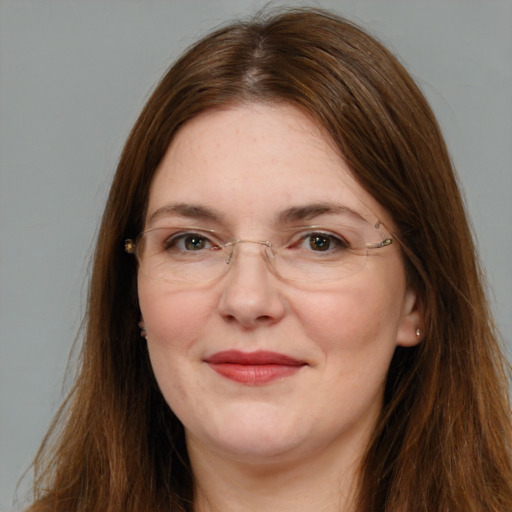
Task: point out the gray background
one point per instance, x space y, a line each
73 77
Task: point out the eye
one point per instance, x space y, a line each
188 242
321 242
325 242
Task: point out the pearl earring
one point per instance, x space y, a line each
143 331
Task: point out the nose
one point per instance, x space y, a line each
251 295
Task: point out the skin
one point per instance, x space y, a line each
299 438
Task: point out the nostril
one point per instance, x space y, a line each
249 323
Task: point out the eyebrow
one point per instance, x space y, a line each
311 211
189 211
292 214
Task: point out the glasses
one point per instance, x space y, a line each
308 254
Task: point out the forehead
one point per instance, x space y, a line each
254 160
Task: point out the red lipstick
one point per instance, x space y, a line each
253 368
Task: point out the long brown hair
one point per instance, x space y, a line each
443 441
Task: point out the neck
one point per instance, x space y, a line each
326 482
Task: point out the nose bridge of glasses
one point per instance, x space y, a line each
231 247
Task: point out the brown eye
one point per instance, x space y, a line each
186 242
194 242
319 242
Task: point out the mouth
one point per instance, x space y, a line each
253 368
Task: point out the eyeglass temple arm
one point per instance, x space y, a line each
378 245
129 246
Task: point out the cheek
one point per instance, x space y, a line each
356 321
172 317
174 321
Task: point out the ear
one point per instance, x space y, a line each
410 321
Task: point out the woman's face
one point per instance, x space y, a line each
256 367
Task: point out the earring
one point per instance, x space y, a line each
418 332
143 332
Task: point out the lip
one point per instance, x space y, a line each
254 368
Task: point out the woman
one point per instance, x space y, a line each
297 320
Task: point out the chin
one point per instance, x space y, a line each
251 438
